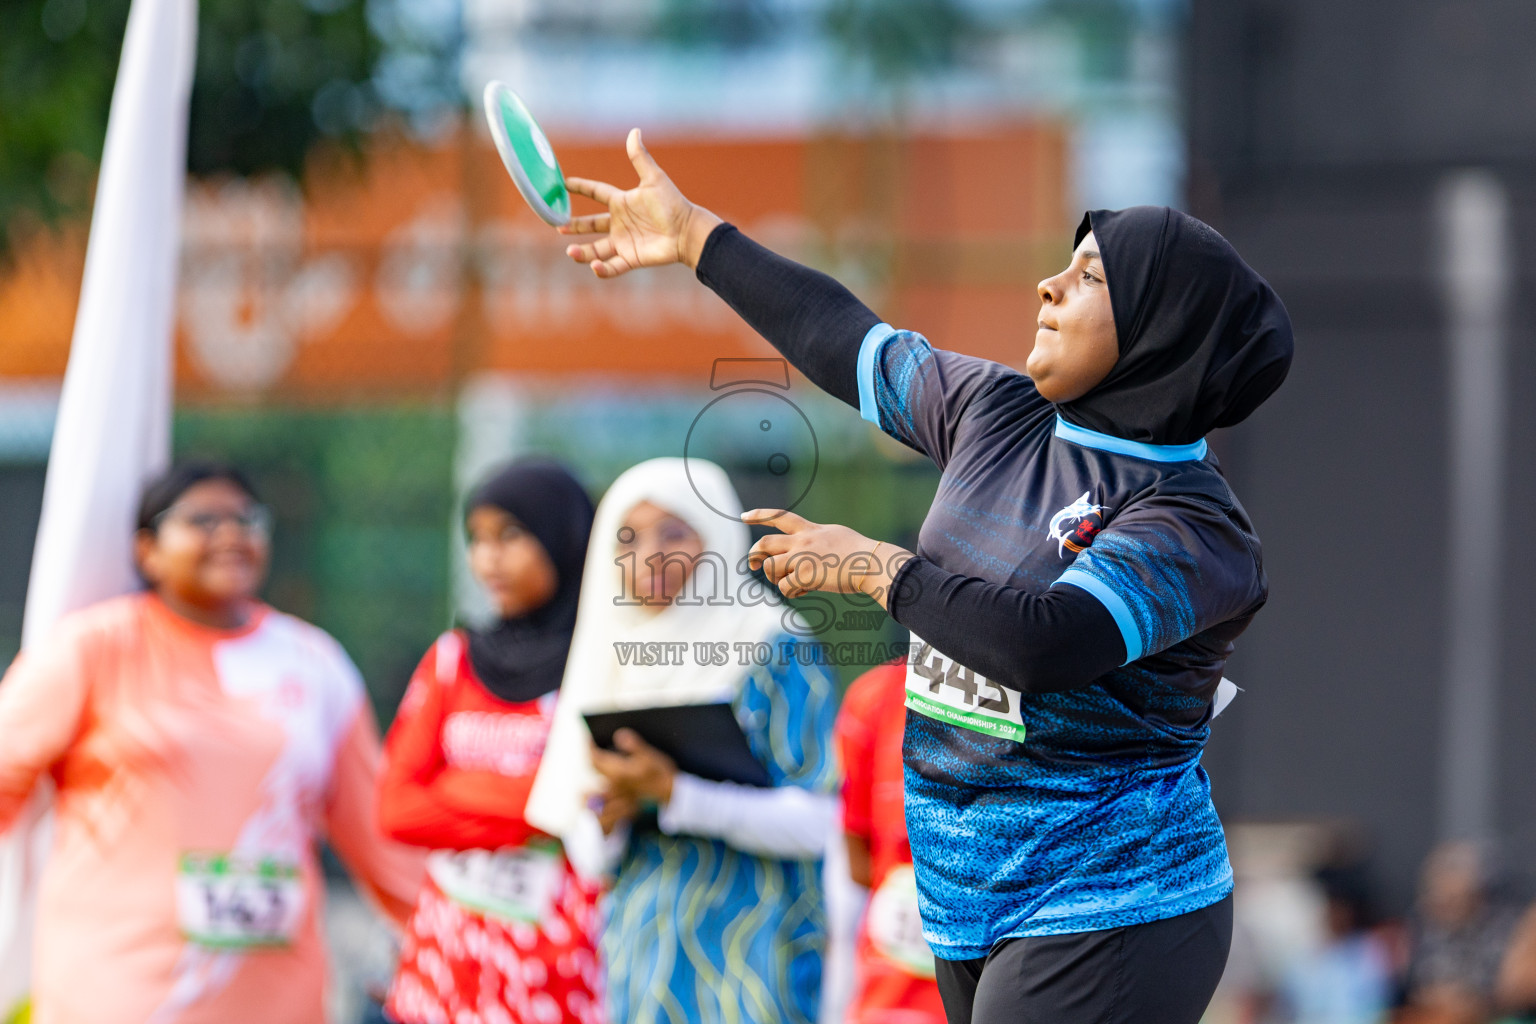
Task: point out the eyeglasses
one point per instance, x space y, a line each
255 521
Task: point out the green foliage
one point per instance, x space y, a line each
272 78
897 39
1105 29
713 22
57 62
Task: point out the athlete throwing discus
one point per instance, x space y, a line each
1077 587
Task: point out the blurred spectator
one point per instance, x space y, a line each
1348 978
1517 976
1244 995
202 742
1460 934
716 911
1307 945
894 973
461 759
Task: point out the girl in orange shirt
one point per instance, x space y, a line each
504 930
200 743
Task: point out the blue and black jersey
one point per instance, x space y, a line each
1087 808
1073 601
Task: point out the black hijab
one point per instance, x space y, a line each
1204 340
523 658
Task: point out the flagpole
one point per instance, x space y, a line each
113 427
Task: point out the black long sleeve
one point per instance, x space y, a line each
815 322
1059 640
1037 643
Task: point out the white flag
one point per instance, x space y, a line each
113 429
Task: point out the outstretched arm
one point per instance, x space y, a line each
421 802
1062 639
815 322
388 872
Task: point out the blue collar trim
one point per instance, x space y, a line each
1135 449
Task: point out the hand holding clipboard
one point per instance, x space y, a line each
701 739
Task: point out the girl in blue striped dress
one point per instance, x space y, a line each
715 916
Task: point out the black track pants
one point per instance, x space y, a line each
1163 972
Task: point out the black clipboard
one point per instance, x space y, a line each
702 739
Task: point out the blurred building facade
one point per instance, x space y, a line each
1106 69
1375 161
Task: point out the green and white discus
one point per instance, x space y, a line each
528 155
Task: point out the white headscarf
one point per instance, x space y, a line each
722 603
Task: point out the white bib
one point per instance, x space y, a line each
896 927
514 884
943 689
229 901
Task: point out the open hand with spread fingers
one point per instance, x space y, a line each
809 556
650 225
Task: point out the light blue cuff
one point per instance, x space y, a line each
869 349
1113 603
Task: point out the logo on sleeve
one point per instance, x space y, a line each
1074 527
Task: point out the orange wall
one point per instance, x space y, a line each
401 273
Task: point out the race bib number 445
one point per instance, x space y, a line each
945 690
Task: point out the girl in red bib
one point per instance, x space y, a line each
893 971
504 931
